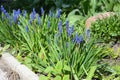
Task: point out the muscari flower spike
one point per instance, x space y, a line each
78 39
50 14
70 30
58 13
15 18
25 13
33 14
18 11
27 29
10 22
42 11
60 26
16 14
5 12
7 15
88 33
67 24
30 21
39 20
2 8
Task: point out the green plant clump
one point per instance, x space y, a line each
107 30
49 45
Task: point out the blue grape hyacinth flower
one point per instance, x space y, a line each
39 20
58 13
67 24
3 9
88 33
7 15
15 18
25 13
78 39
27 29
33 14
42 11
30 21
5 12
60 26
70 30
16 14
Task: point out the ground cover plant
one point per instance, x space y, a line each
49 45
107 30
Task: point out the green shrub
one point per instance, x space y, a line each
107 30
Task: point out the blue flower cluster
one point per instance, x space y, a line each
58 13
5 12
25 13
42 11
78 39
16 14
39 20
69 29
27 29
88 33
33 14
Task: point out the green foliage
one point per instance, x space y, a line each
108 72
86 7
74 16
42 77
67 5
91 72
3 49
44 49
107 30
89 7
